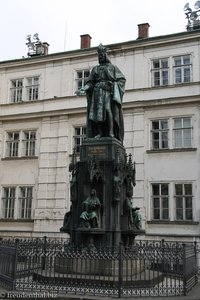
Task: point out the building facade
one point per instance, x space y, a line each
42 121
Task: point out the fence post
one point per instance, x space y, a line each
120 274
184 270
44 253
15 264
195 259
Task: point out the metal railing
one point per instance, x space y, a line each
198 256
147 268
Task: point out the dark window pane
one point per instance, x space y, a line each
188 202
155 136
186 60
156 78
178 75
156 203
165 77
156 214
156 64
179 189
165 215
155 188
86 74
77 131
155 125
165 202
188 189
179 202
187 75
164 143
164 189
188 214
164 139
179 214
164 124
177 61
164 63
155 145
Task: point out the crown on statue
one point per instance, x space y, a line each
101 49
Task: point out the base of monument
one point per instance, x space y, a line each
98 267
145 279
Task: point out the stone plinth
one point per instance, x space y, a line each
103 267
102 149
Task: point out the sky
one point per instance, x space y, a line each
61 22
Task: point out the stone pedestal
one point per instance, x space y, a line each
103 267
105 167
97 169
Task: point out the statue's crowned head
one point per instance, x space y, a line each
101 49
102 53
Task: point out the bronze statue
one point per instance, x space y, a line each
105 89
134 218
90 217
67 222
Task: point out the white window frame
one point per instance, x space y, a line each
160 197
161 71
12 143
16 90
24 89
80 81
8 202
162 142
15 205
25 202
21 147
32 88
173 136
78 137
29 143
181 66
182 130
183 198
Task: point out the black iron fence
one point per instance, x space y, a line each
145 269
198 257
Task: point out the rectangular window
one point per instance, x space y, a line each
32 88
81 77
25 202
29 143
182 132
183 201
160 73
12 144
8 202
16 90
20 144
159 134
160 201
79 135
25 89
182 69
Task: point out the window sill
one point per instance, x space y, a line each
173 85
20 158
23 101
171 150
173 222
17 220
